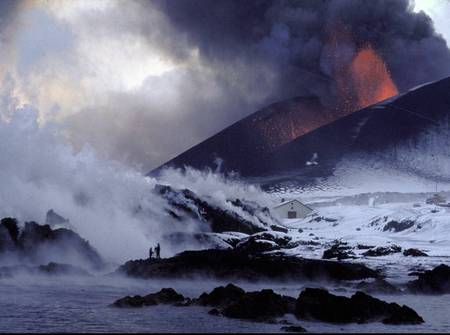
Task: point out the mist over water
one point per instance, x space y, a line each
107 203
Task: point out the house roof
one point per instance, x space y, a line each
292 200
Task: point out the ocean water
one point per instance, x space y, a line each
42 304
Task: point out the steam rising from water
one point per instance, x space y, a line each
107 203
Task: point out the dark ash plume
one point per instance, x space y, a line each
247 55
290 39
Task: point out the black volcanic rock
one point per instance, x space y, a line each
189 204
229 301
263 305
220 296
256 246
264 241
436 281
318 304
382 251
130 301
403 316
397 226
164 296
338 251
40 244
231 264
11 226
37 242
246 149
6 242
233 302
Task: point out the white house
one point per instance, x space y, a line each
292 209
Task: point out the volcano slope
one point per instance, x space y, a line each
245 143
243 146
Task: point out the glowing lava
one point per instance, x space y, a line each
362 79
371 79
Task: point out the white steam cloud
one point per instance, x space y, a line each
107 203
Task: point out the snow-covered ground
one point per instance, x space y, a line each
359 222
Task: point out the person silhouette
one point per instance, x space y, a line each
150 253
158 251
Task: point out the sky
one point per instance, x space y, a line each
142 81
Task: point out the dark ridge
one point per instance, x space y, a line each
232 264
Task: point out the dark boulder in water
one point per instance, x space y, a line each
319 304
233 302
263 305
436 281
229 301
214 312
164 296
130 301
403 316
231 264
220 296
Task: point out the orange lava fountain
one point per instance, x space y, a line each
371 79
362 79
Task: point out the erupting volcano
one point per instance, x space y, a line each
361 79
370 77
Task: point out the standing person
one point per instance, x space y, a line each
150 253
158 251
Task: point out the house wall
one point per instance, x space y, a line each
301 210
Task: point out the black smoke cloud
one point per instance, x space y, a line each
249 54
290 37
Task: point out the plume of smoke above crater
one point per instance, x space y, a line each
228 58
291 39
252 53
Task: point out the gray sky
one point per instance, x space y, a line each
141 81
